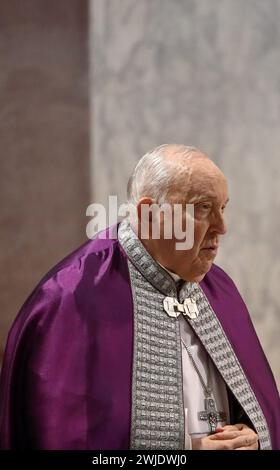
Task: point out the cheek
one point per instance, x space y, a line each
200 230
168 248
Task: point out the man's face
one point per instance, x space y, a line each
207 190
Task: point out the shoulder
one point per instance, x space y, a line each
218 285
218 278
81 271
223 294
85 259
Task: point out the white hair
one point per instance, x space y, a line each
155 175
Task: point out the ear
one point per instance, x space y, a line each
144 201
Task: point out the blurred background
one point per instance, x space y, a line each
88 86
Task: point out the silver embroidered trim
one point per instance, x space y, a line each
149 364
157 387
143 261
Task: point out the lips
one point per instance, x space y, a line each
213 249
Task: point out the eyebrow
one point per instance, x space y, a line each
204 197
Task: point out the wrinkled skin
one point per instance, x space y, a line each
205 186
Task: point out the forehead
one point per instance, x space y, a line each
207 187
203 181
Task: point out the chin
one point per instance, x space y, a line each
198 277
193 278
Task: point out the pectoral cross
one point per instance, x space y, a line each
211 415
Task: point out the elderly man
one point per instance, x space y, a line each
134 343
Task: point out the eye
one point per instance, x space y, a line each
203 209
205 206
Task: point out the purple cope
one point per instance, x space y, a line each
67 370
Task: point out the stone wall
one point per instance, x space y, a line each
44 157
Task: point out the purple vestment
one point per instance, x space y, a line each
67 371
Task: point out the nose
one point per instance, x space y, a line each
218 224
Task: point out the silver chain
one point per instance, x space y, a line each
207 389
